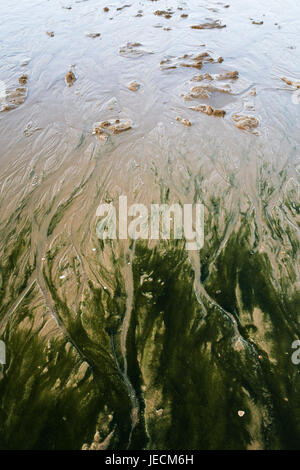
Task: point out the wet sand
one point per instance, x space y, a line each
163 102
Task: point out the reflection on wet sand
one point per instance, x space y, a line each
141 344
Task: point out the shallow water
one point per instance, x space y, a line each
148 344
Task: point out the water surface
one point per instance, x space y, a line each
135 344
